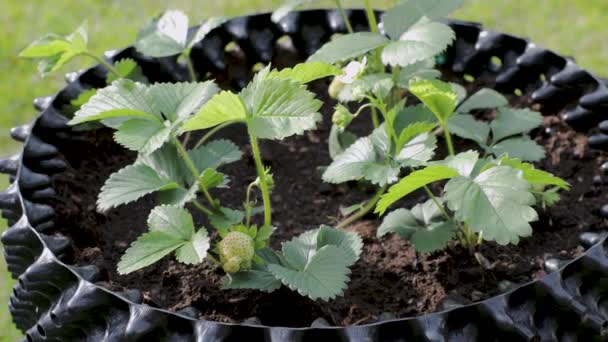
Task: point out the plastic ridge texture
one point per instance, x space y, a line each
54 301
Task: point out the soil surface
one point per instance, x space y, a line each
390 276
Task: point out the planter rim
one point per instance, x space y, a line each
477 45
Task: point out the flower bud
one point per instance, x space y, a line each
342 117
335 87
236 252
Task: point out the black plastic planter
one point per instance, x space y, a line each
54 301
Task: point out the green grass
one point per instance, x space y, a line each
570 27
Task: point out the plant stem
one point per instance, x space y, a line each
248 204
262 175
371 17
471 239
192 168
103 62
375 120
448 138
211 132
202 208
361 212
437 203
344 17
191 71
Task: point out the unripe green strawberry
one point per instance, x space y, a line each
342 117
236 251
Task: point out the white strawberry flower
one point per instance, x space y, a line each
352 71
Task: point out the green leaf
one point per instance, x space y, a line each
127 68
422 69
459 90
123 98
288 6
83 98
511 121
348 46
54 51
351 164
167 163
413 130
130 184
324 274
533 175
422 42
307 72
412 115
496 203
142 135
222 107
350 242
519 147
177 101
412 182
194 251
229 218
204 29
402 16
465 126
210 179
485 98
215 154
418 151
339 141
255 279
279 108
164 36
464 163
422 225
436 95
146 250
171 220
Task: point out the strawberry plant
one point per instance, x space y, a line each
488 193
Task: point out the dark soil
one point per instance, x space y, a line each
389 277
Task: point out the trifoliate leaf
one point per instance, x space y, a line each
279 108
414 130
351 164
53 51
167 163
307 72
464 163
171 220
339 141
255 279
523 148
323 275
465 126
422 42
350 242
228 218
288 6
144 136
423 69
215 154
204 29
423 226
131 183
533 175
195 250
412 115
417 151
164 36
127 68
348 46
485 98
225 106
177 101
497 202
511 121
146 250
178 196
402 16
210 179
436 95
412 182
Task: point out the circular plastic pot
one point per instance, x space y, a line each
54 301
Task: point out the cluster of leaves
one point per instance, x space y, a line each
485 197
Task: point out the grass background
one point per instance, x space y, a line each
570 27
